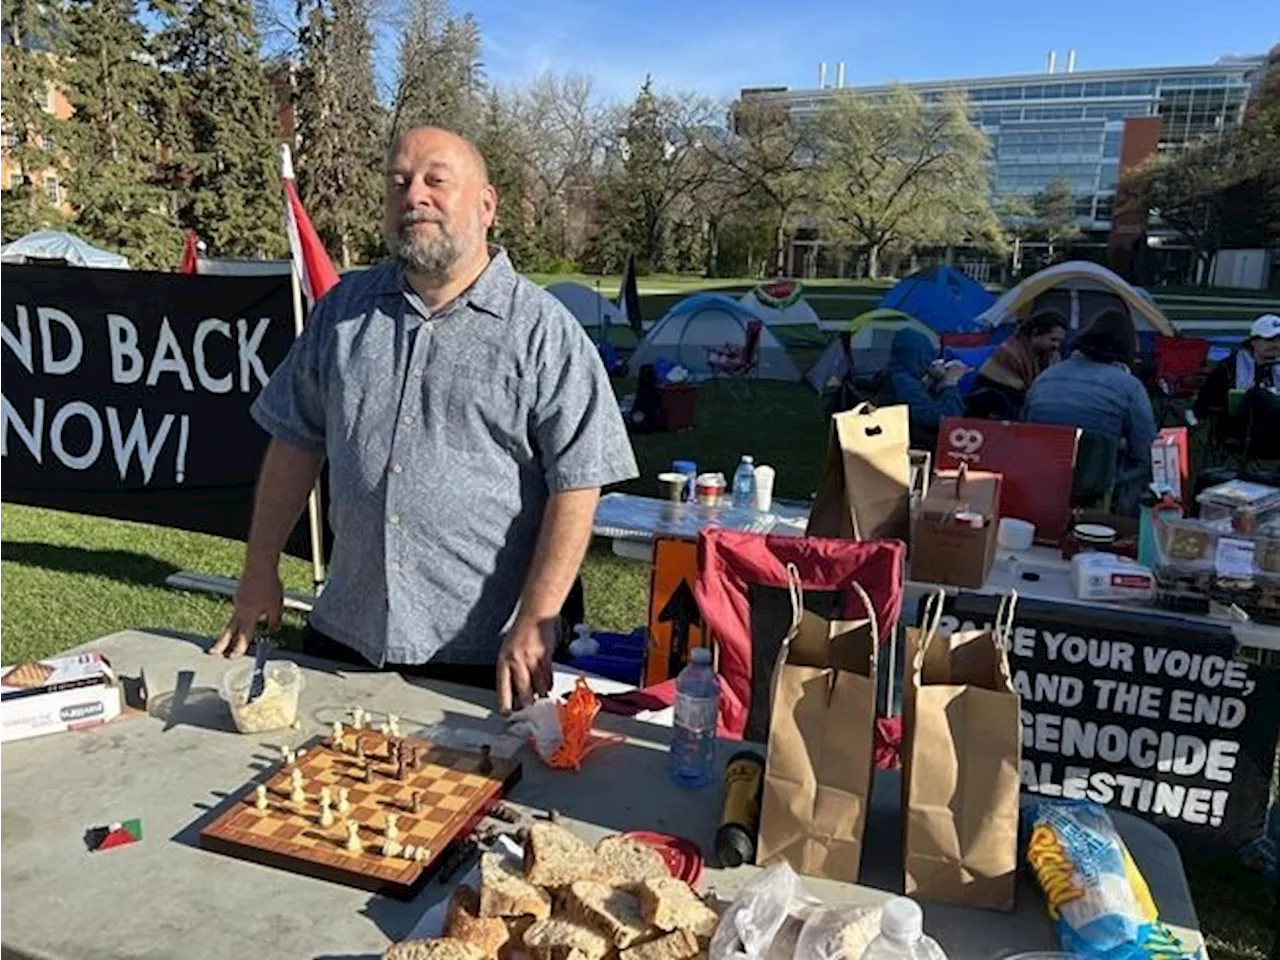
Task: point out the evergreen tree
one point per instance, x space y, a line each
340 143
441 80
499 142
116 184
221 125
30 72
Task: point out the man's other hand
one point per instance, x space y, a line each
524 663
259 596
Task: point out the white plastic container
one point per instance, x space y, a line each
1015 534
276 708
902 935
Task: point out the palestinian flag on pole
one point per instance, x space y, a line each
310 259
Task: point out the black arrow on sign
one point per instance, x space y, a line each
681 611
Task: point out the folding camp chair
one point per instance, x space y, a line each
735 365
1180 372
1094 481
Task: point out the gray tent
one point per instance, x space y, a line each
45 246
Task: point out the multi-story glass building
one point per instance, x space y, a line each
1071 124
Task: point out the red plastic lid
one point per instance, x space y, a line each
683 857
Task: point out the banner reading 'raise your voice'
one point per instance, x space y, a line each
126 393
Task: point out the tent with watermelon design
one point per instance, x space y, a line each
781 304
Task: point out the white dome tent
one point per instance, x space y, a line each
709 321
589 307
781 304
56 246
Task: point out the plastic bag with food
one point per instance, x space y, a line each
838 933
750 924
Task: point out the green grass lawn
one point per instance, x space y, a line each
67 579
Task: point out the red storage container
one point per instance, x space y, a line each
679 400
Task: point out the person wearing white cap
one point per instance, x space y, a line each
1253 369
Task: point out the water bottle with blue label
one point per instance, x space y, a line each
744 484
693 734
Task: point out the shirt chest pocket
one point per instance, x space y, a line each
486 411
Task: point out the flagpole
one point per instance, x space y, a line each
313 501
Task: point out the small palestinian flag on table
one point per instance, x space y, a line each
115 835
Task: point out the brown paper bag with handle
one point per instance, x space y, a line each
961 749
817 781
865 490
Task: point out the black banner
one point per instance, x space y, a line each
1150 714
126 393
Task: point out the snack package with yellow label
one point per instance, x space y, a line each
1096 895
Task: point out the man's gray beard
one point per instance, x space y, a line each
429 257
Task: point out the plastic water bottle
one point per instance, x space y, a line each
693 734
744 484
902 934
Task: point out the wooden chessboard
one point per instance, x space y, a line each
455 797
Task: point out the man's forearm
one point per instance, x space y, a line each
287 476
562 544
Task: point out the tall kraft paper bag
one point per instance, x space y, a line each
961 748
865 490
817 780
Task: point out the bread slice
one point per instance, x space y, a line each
677 945
559 939
504 893
623 861
436 948
463 922
514 948
858 933
554 857
671 904
607 910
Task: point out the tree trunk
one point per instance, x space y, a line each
873 261
713 247
780 248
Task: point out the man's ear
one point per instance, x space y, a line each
488 205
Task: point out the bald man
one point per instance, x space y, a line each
468 424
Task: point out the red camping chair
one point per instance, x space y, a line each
736 364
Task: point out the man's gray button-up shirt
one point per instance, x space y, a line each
445 434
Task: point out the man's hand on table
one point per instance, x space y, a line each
259 596
524 663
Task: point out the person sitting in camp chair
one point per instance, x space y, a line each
1001 386
1243 392
733 360
917 377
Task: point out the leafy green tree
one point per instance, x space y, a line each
117 186
220 123
1053 216
499 141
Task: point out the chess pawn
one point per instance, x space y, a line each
391 832
290 756
326 813
416 802
422 854
353 837
357 717
393 724
297 795
384 729
260 796
344 802
408 851
337 735
326 796
391 848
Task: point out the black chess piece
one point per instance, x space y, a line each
486 759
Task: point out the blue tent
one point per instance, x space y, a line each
943 297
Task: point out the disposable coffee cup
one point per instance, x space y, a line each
710 489
672 486
764 487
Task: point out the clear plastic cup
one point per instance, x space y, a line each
276 708
764 476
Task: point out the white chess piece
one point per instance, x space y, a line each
391 848
344 803
384 729
298 795
260 796
393 724
353 837
326 813
337 735
357 716
391 832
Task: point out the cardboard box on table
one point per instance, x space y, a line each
817 782
944 548
58 694
961 753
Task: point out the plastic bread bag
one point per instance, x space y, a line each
838 933
1098 899
748 927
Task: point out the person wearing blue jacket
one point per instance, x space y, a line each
930 390
1095 390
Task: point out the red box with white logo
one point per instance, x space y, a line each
1037 463
61 693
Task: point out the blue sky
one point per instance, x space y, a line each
715 47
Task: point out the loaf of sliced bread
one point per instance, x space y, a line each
436 948
463 922
623 861
671 904
504 893
610 911
677 945
554 857
559 939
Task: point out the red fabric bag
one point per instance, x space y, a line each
742 584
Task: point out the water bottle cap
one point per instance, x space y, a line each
700 656
902 919
748 458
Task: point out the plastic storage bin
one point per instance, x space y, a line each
276 708
1242 506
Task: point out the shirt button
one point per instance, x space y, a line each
394 518
397 468
395 564
407 421
417 371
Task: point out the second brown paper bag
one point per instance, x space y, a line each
961 750
817 782
865 490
